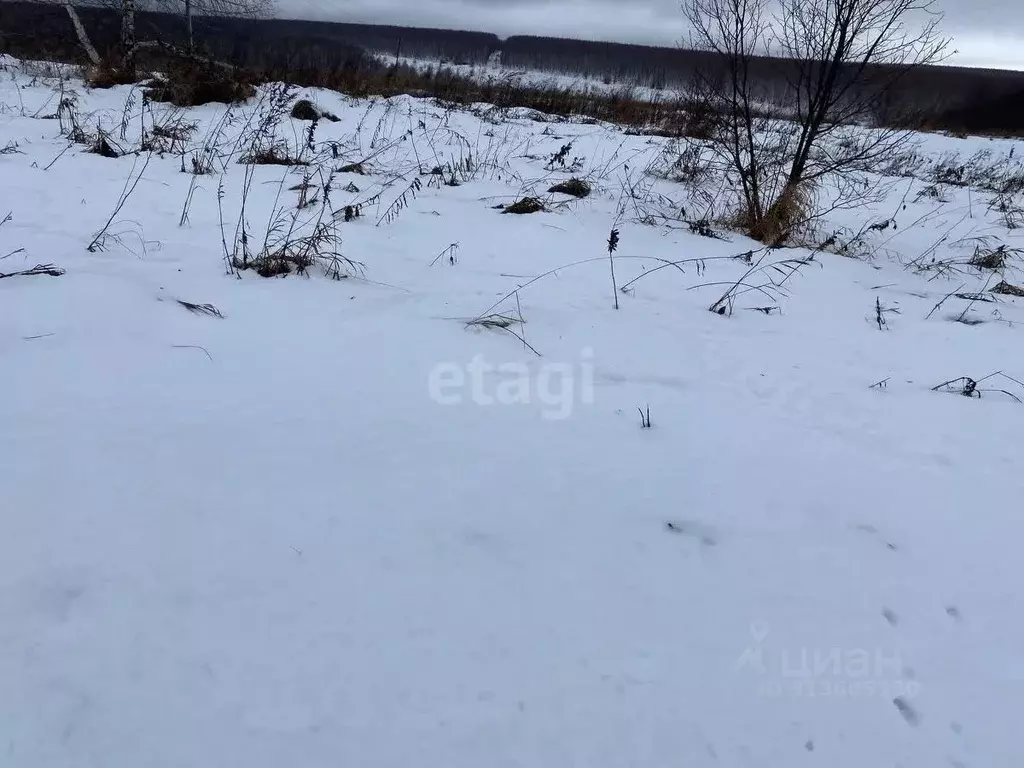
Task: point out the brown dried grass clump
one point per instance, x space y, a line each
784 217
109 73
107 76
990 258
701 120
192 83
526 205
276 153
1008 289
577 188
305 109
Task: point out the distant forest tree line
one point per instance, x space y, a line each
967 99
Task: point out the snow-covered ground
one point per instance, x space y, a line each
340 526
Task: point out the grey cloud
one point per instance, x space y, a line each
977 27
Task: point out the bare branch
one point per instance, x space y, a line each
841 61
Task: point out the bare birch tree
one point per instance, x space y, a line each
186 9
81 34
129 40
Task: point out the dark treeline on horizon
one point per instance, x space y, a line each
975 99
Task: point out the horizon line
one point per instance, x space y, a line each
662 47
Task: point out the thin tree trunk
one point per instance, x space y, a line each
83 36
128 42
188 21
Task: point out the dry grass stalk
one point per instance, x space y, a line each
38 269
200 309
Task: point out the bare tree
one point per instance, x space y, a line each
130 44
850 54
83 36
126 9
841 60
189 9
736 31
129 41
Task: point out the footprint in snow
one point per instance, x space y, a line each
672 382
693 529
954 613
58 594
870 530
907 711
890 616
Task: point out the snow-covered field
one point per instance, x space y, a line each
341 526
495 72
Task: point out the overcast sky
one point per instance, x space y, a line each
985 32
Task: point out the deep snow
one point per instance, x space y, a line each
292 537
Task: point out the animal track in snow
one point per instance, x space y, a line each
706 535
870 530
907 711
